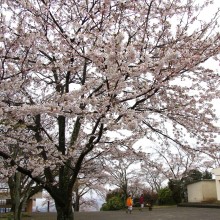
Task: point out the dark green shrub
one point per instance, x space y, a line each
177 189
165 197
104 207
114 203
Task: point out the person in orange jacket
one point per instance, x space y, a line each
129 203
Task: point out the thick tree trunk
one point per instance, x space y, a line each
65 212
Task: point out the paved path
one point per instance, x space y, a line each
176 213
170 213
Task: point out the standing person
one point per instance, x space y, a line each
141 200
129 203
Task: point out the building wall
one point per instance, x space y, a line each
202 191
194 192
4 193
216 172
29 206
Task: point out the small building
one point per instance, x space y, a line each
5 200
202 191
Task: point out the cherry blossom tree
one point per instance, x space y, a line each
75 72
173 166
20 186
170 162
153 177
122 171
89 181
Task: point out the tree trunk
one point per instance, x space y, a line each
77 197
76 207
17 212
17 196
64 212
15 190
